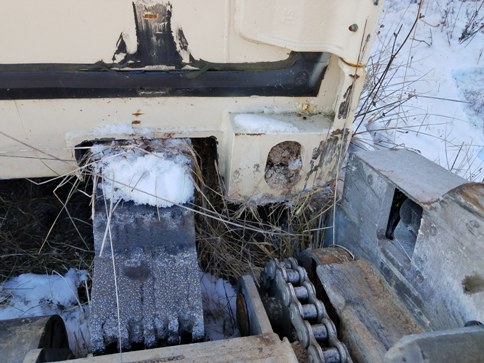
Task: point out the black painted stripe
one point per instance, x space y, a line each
95 81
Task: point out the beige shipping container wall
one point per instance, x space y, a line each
38 135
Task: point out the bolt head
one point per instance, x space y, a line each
353 28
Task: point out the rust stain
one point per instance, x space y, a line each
150 15
135 122
138 113
353 28
354 65
337 132
473 192
242 315
168 135
330 255
471 195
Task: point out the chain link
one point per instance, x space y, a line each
308 315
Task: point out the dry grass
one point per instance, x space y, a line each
44 227
237 238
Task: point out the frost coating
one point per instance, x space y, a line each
155 179
120 129
157 277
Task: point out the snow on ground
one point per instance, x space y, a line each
218 298
432 99
30 295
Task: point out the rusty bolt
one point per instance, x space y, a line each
353 27
242 313
150 15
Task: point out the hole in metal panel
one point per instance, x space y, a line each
284 164
403 222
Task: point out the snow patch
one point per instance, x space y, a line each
250 123
130 41
120 129
30 295
219 299
470 83
156 179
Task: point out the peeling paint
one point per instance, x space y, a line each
169 135
325 159
344 107
469 196
156 41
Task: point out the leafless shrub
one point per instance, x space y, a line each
387 108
